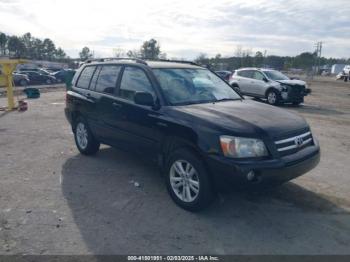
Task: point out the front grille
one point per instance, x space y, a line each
293 144
296 92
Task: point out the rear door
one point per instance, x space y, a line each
104 89
245 81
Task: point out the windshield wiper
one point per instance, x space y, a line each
226 99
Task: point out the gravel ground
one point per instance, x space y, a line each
55 201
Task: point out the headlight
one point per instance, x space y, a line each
241 147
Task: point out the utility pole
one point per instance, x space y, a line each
318 56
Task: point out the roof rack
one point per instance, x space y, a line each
173 61
139 60
106 59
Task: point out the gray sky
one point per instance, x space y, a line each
184 28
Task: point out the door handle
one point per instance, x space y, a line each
90 97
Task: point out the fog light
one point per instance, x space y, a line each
251 176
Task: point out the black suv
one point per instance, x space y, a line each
198 129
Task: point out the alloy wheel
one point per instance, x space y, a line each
82 135
184 181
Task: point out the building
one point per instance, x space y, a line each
337 68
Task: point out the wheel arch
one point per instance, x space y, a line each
173 143
272 88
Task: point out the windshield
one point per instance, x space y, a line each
193 86
275 75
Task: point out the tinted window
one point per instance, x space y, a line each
245 73
107 79
85 76
134 80
94 78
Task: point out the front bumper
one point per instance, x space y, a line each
295 96
268 172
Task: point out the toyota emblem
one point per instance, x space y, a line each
299 141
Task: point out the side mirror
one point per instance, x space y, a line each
144 98
265 79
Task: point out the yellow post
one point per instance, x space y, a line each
7 68
10 99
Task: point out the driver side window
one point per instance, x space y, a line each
134 80
258 76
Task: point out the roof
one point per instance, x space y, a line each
255 68
164 64
150 63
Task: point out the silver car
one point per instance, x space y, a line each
269 84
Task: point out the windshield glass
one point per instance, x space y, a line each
192 86
275 75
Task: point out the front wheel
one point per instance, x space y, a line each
187 181
23 82
272 97
85 141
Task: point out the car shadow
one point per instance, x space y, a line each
120 205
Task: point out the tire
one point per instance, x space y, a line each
272 98
48 81
84 140
236 88
23 82
196 178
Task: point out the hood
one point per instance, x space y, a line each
292 82
246 118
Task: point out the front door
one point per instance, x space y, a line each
259 86
135 123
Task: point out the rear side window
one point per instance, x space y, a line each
134 80
245 73
85 77
107 79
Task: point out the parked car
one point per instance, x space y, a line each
36 78
270 84
38 70
225 75
20 79
62 74
193 124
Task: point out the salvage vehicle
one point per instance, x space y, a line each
36 78
200 132
224 74
20 79
269 84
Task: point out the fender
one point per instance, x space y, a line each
274 89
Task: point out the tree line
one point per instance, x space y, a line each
149 50
30 47
246 58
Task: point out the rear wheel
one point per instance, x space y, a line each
85 141
187 181
272 97
236 88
